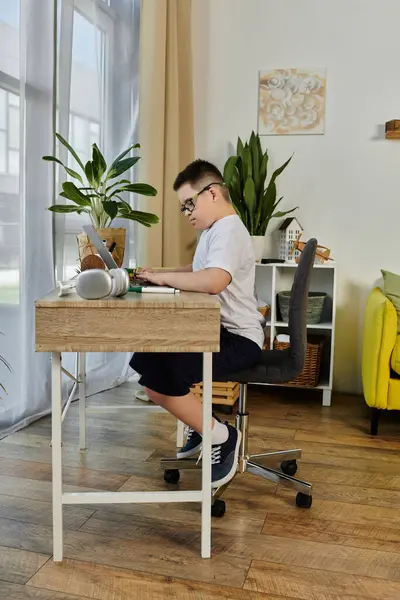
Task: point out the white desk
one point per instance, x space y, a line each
184 322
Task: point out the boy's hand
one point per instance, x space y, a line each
151 277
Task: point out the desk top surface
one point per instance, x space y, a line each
131 301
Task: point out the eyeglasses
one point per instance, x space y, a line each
189 205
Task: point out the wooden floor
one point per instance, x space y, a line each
347 546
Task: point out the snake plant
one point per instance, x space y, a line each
245 174
96 191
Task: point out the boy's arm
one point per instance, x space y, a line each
185 269
208 281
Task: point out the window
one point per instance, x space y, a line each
9 152
89 110
9 132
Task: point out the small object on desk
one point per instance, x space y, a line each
92 261
65 287
112 247
270 261
156 289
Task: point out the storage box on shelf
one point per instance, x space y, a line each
271 279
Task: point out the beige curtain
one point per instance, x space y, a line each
165 126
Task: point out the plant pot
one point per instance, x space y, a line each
110 234
258 246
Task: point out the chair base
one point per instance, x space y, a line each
250 463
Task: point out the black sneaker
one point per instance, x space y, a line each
193 444
224 458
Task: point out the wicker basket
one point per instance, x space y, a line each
316 301
310 374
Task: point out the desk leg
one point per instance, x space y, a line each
179 434
56 410
206 459
82 399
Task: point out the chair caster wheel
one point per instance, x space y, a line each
218 508
303 501
171 475
289 467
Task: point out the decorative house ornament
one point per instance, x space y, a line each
289 231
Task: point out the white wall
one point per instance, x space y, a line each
346 182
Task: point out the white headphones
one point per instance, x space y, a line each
94 284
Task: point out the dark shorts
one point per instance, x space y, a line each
174 373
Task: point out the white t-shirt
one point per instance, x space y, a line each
227 245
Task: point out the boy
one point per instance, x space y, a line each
223 265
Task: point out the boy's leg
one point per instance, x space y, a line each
187 409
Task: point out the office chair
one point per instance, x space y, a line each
275 367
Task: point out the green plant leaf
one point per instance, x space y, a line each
124 153
73 193
70 172
53 159
146 219
229 169
247 164
143 189
120 182
90 175
256 159
74 154
278 171
250 199
99 163
111 208
239 148
123 205
67 208
121 166
74 174
279 214
263 172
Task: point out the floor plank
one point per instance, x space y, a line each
17 566
346 547
176 556
106 583
311 584
11 591
72 476
36 511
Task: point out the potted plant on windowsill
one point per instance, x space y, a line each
98 194
245 174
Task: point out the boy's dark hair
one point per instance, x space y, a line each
196 171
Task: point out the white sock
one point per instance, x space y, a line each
220 433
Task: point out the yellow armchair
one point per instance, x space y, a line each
381 344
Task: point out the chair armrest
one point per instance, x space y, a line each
380 331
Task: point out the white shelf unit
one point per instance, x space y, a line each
278 277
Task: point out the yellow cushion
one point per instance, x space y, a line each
380 333
393 402
395 362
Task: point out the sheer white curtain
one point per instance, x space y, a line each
26 256
94 46
98 102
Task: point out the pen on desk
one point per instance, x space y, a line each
153 290
112 247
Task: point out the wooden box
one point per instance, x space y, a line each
225 393
392 129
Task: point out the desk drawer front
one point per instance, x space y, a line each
84 329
